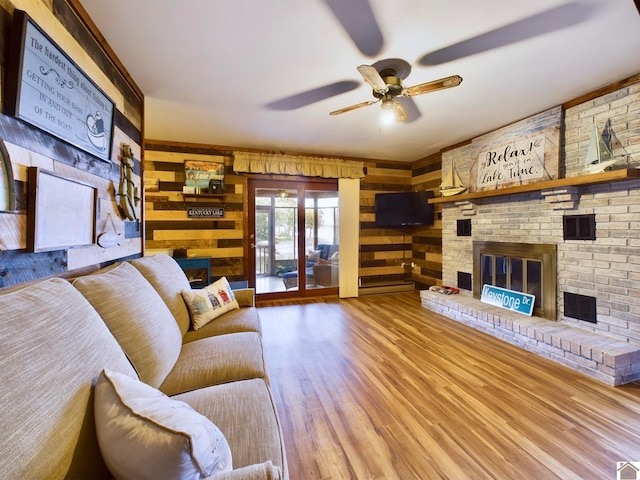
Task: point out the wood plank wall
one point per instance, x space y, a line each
28 146
382 250
427 241
169 230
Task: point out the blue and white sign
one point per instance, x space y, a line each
509 299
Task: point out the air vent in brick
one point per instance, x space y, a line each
580 307
464 227
579 227
464 281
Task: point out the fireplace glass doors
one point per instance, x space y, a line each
523 267
521 275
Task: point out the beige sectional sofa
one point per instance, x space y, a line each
57 337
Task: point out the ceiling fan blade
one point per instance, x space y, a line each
308 97
447 82
373 78
550 20
358 20
353 107
410 108
401 113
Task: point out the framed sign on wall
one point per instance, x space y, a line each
524 152
204 177
48 90
61 212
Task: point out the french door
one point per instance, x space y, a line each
293 237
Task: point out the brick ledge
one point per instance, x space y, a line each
599 356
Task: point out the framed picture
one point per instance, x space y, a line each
204 177
48 90
61 213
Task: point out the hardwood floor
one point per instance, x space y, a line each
380 388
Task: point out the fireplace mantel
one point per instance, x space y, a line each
604 177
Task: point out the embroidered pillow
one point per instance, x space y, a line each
143 434
209 303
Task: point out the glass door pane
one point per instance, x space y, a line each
276 239
501 272
293 237
534 280
322 262
286 237
486 262
516 280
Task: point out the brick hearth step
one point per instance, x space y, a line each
595 354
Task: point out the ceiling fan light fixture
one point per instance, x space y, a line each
388 113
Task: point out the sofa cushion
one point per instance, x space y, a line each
240 320
138 318
53 345
215 360
258 437
166 276
144 434
209 303
246 297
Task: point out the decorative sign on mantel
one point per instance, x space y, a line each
524 152
47 89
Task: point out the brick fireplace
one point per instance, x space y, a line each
523 267
598 272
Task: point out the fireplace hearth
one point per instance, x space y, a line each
523 267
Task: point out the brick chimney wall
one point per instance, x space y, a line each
607 268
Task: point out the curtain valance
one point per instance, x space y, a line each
281 164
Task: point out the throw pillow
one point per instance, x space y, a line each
313 255
209 303
143 434
225 293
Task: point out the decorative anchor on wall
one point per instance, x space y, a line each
127 191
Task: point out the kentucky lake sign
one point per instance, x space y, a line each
509 299
205 212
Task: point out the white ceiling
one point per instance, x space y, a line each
227 72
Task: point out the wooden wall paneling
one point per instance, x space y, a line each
427 240
18 267
382 250
29 146
167 224
69 13
14 231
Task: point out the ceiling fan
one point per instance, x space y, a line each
387 86
358 19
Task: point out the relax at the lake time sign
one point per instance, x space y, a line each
518 154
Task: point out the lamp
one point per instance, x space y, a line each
392 112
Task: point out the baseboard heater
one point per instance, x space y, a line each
375 288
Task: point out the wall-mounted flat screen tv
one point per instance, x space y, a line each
403 209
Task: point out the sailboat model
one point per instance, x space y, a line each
452 184
599 156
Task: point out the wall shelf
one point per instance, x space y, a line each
202 196
604 177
